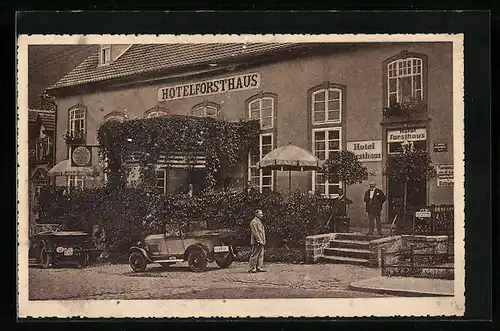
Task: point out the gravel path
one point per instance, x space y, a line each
118 282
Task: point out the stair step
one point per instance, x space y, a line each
347 252
345 260
349 244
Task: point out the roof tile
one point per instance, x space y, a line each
143 58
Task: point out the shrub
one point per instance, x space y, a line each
127 214
273 254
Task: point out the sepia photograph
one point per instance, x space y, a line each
291 175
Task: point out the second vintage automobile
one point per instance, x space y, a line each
198 248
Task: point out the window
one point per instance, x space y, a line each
77 121
326 106
404 80
77 181
262 109
161 181
261 178
207 109
326 142
43 148
105 54
114 116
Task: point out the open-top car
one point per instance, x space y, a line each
197 248
57 247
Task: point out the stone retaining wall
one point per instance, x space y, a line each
315 245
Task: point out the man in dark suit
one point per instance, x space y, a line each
374 199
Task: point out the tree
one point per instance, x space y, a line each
412 164
346 167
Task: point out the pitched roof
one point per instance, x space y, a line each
47 118
144 58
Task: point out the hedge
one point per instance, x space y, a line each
127 214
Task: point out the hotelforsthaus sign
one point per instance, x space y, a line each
209 87
367 150
394 136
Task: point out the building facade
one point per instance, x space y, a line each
320 97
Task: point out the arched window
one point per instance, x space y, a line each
156 112
206 109
326 109
77 120
326 105
405 78
114 116
261 107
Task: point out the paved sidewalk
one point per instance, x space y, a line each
405 286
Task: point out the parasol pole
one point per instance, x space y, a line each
289 181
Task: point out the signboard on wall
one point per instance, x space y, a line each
406 135
366 150
81 156
444 175
440 147
209 87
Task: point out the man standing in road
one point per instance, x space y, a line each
374 199
258 241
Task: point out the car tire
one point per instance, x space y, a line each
226 261
45 258
197 260
137 262
85 260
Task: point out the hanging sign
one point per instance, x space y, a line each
209 87
423 213
440 147
394 136
81 156
444 175
366 150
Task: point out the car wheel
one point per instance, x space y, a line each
225 261
137 262
197 260
45 258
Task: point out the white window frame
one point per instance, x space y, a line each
164 171
77 115
158 113
47 140
326 103
76 181
260 101
398 69
104 54
203 108
252 166
327 151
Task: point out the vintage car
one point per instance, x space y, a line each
57 247
196 247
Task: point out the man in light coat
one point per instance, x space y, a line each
374 199
258 241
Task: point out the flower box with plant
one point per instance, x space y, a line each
407 108
75 137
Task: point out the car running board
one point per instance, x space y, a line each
168 261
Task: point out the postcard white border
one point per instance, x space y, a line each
341 307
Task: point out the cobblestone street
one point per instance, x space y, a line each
118 282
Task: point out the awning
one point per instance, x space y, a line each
64 168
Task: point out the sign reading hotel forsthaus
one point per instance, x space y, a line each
444 175
366 150
406 134
209 87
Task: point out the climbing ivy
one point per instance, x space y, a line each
223 144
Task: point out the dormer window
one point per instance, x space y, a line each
105 54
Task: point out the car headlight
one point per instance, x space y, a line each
60 249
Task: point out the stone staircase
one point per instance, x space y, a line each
349 248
